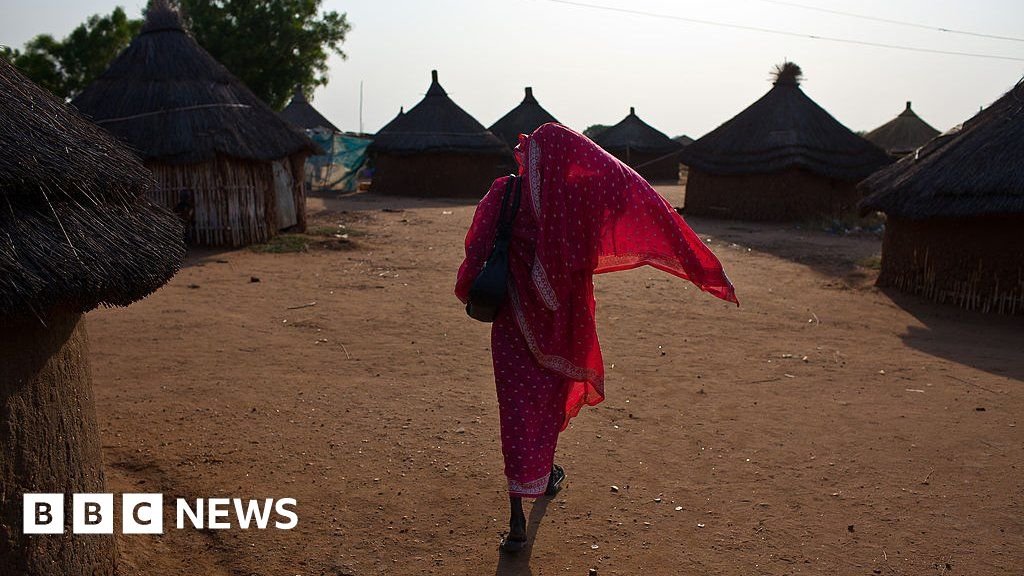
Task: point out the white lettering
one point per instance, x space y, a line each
217 508
195 516
253 510
281 509
42 514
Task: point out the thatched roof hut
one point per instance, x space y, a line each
391 123
218 152
903 134
77 229
782 158
642 147
523 119
76 232
301 114
436 149
955 213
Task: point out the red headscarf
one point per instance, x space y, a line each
583 212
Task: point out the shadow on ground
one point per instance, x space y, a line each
988 342
203 255
518 564
367 201
851 258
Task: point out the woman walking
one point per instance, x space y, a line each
582 212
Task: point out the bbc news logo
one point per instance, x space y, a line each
144 513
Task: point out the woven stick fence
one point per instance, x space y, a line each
234 201
975 265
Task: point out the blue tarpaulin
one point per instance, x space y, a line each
337 168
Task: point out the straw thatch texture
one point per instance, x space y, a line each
955 213
171 101
436 149
789 195
301 114
391 123
648 151
207 137
974 263
903 134
523 119
975 170
437 124
784 129
76 230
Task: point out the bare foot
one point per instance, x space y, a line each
516 538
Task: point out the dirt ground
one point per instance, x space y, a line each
823 427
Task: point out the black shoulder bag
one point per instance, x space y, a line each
490 288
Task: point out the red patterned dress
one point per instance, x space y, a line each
583 212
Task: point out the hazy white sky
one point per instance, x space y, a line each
589 66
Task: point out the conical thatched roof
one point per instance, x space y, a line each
976 170
301 114
75 228
391 123
684 139
170 100
523 119
784 129
436 124
903 134
636 135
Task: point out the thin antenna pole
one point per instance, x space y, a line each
360 106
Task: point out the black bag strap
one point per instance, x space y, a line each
507 215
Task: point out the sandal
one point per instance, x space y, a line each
555 480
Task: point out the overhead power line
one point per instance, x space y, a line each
783 32
891 21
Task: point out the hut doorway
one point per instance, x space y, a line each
283 183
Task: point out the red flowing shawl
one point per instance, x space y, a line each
583 212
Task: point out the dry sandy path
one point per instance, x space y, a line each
824 427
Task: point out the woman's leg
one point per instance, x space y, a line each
531 402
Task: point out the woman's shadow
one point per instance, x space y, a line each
518 564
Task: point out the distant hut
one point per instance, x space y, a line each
76 231
390 123
301 114
523 119
216 149
651 153
436 149
684 173
684 139
903 134
324 170
782 158
954 211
